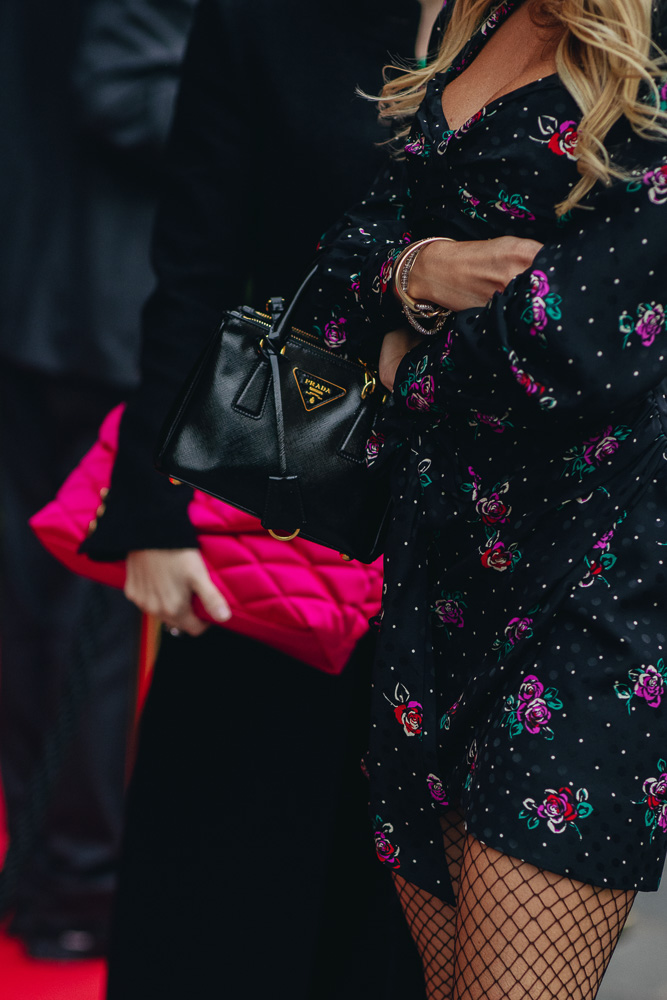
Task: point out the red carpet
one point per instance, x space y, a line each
23 978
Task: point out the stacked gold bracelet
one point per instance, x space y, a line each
415 310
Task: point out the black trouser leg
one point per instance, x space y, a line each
46 425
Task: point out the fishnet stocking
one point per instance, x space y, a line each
433 923
519 933
527 934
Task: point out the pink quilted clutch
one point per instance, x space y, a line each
298 597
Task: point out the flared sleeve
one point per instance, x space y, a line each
582 332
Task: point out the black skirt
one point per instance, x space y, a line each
248 864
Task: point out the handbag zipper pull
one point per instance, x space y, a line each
275 307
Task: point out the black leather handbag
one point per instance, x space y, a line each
274 423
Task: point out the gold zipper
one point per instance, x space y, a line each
312 338
253 317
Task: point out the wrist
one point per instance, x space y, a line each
424 271
419 310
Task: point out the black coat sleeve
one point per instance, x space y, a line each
127 70
200 256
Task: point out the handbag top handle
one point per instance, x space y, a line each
280 330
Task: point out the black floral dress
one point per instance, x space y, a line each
522 670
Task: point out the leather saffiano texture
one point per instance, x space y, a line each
300 598
260 379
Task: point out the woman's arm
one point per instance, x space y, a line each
579 333
355 302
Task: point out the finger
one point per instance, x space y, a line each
214 602
186 623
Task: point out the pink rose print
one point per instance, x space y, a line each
560 137
543 305
490 420
437 790
334 332
531 687
595 451
446 720
564 141
528 383
655 800
531 711
655 790
386 851
648 324
382 280
386 272
539 284
373 448
650 685
445 359
656 181
470 203
646 682
600 447
534 715
494 18
411 717
602 558
409 713
418 146
512 204
561 809
558 809
498 556
421 394
450 612
417 388
604 541
492 510
470 123
651 323
518 629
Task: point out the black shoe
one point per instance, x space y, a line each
69 945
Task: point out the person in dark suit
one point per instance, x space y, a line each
248 866
86 97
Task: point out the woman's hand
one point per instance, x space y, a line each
162 582
394 348
466 275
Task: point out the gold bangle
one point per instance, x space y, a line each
404 264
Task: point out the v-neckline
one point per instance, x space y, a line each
469 53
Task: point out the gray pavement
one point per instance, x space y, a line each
638 969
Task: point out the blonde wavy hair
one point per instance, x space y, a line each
604 55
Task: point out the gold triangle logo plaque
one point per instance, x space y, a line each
316 391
